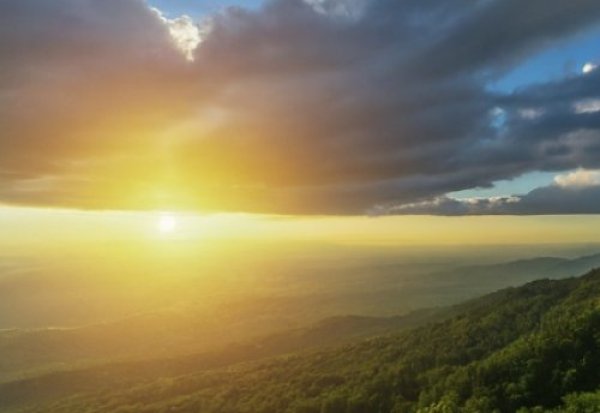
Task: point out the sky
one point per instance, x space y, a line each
372 110
199 9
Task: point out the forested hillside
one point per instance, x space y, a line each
531 348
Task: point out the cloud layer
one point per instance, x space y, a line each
327 107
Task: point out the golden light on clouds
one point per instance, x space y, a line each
290 108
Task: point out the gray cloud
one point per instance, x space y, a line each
549 200
290 108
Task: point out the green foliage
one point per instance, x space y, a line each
528 350
581 403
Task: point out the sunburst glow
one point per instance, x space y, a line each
167 223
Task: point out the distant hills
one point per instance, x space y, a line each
486 278
548 267
529 349
185 331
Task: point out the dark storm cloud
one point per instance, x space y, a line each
498 33
332 107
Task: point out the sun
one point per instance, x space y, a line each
166 223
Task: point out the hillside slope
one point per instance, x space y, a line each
65 378
519 348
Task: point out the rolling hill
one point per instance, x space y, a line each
529 348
